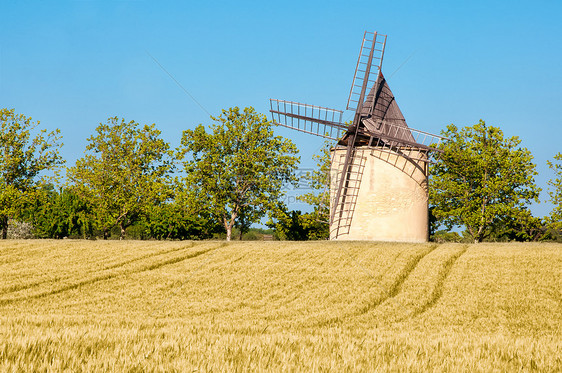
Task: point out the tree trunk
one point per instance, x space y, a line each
228 224
122 228
228 231
105 234
4 224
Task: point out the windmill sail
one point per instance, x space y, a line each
368 68
315 120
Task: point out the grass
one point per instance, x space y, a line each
309 306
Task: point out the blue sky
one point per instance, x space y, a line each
73 64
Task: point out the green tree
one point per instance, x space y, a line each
521 225
481 179
26 161
319 184
296 226
177 221
123 173
58 214
555 192
238 169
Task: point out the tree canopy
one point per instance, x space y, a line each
481 179
124 172
26 160
237 170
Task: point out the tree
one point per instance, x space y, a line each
124 171
174 221
319 184
556 192
296 226
289 225
481 179
58 214
238 169
521 225
25 162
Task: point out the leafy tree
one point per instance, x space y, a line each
25 161
58 214
174 221
237 170
319 183
296 226
481 179
445 236
123 173
313 225
289 225
521 225
556 192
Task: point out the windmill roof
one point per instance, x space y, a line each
385 117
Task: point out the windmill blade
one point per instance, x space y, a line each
399 135
394 139
348 182
382 124
315 120
367 69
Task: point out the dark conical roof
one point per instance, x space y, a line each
385 117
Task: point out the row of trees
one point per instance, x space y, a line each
130 178
232 174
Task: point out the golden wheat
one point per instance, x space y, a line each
313 306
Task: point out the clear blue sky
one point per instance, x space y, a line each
73 64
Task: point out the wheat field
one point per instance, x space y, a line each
279 306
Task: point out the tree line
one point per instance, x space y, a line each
130 181
231 174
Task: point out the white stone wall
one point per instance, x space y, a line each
391 203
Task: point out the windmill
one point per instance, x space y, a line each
392 204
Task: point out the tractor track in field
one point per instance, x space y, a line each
20 287
387 295
397 285
110 276
437 291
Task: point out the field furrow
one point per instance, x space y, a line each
398 282
437 291
113 271
420 288
69 275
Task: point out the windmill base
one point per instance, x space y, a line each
386 197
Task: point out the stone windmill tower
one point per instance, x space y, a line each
379 169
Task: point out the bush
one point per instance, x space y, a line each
446 236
